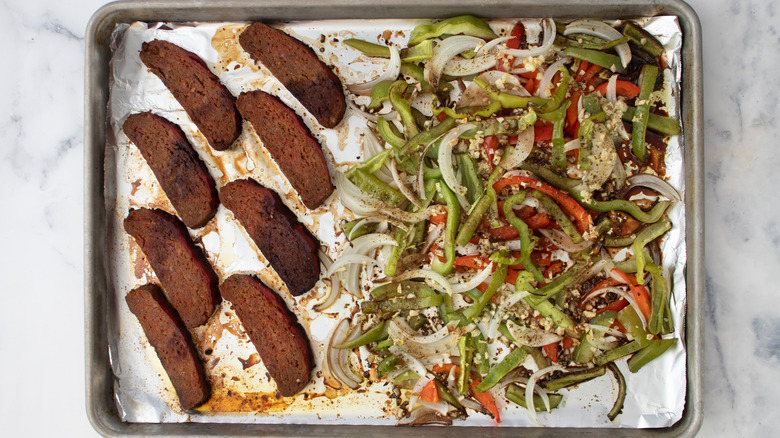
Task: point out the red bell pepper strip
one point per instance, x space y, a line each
438 218
543 131
530 86
572 124
446 368
567 342
623 88
507 232
490 144
485 399
638 291
430 393
551 350
581 71
473 262
505 63
589 75
582 218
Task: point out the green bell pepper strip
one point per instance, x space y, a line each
559 95
504 259
510 100
384 345
662 124
375 187
399 304
470 113
642 38
646 85
655 348
558 215
420 52
453 220
389 133
587 349
510 125
509 363
590 103
629 207
372 164
476 309
444 394
376 333
558 181
351 233
464 24
560 283
395 252
380 93
406 376
583 41
423 138
481 355
404 109
633 324
417 73
658 299
558 117
368 48
621 398
558 317
536 353
645 236
617 242
516 394
402 289
610 62
526 247
387 365
417 321
466 352
475 217
471 180
618 352
574 378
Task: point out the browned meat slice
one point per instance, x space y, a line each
178 169
287 245
300 70
288 141
186 276
209 104
172 343
274 331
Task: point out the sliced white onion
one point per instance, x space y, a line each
333 294
474 281
533 337
655 183
612 89
542 90
440 283
361 246
408 194
365 221
548 25
443 52
467 67
433 234
338 359
353 198
445 162
529 391
442 407
495 322
523 148
563 241
571 145
390 74
618 173
469 249
348 260
610 331
630 298
603 31
413 363
418 387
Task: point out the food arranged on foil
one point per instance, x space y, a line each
504 241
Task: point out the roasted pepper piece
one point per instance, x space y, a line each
375 187
510 100
610 62
662 124
575 378
453 220
526 246
509 363
646 83
464 24
655 348
516 395
643 39
476 309
377 333
645 236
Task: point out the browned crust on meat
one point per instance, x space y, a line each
287 245
300 70
289 142
177 167
186 276
275 332
209 104
172 343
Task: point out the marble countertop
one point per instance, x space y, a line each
41 166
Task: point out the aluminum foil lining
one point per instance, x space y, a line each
242 391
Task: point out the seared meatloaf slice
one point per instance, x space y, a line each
186 276
172 343
287 245
209 104
291 145
275 332
179 170
299 69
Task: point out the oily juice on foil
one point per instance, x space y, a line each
242 389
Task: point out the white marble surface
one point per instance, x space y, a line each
41 167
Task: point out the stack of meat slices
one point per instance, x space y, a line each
189 290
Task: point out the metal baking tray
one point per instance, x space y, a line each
100 402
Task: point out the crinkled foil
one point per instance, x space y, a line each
242 391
